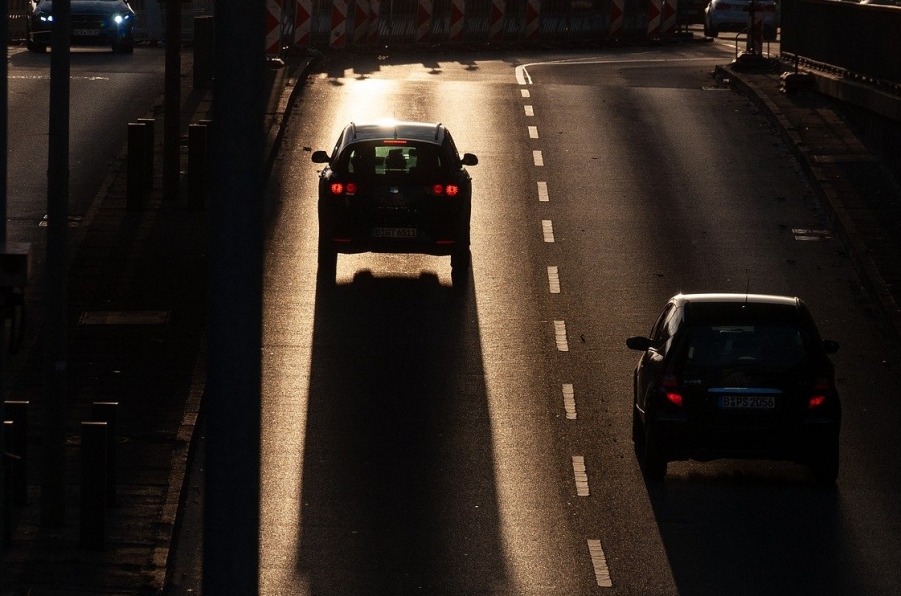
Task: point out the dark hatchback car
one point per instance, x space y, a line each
93 22
397 187
735 376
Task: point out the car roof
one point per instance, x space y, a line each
737 298
429 132
733 308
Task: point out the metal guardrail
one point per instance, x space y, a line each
858 39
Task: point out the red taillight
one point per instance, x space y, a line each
339 188
820 391
670 388
450 190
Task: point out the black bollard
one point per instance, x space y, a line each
8 485
93 485
198 154
17 412
149 149
105 411
136 180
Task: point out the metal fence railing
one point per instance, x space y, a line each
859 39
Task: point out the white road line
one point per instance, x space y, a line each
569 401
539 160
530 111
542 192
553 279
580 475
525 93
547 230
522 75
533 132
599 562
560 336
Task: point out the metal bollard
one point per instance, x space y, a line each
136 176
149 149
8 486
105 411
197 165
204 50
17 412
93 485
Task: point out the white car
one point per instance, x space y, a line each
734 15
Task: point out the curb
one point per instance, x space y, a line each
860 258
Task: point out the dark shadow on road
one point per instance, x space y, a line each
398 477
757 529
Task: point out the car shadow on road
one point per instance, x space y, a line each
742 527
398 477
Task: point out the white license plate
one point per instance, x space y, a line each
86 32
394 232
747 402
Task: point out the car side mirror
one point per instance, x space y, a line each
639 343
319 157
829 346
469 159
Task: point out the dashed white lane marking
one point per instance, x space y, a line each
538 158
530 111
525 93
560 336
599 562
569 401
547 229
553 279
542 192
580 475
533 132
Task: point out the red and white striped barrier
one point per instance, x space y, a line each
361 21
669 17
273 27
496 22
338 37
458 13
654 18
303 21
374 7
424 20
617 10
533 19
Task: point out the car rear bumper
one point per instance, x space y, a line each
800 443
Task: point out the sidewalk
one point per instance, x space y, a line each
137 318
856 189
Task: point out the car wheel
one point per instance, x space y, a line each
825 466
37 48
655 463
460 265
328 262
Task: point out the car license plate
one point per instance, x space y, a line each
86 32
747 402
394 232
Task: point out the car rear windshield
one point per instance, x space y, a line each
395 157
773 347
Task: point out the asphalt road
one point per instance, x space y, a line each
416 442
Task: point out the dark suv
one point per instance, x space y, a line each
92 22
396 187
735 376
